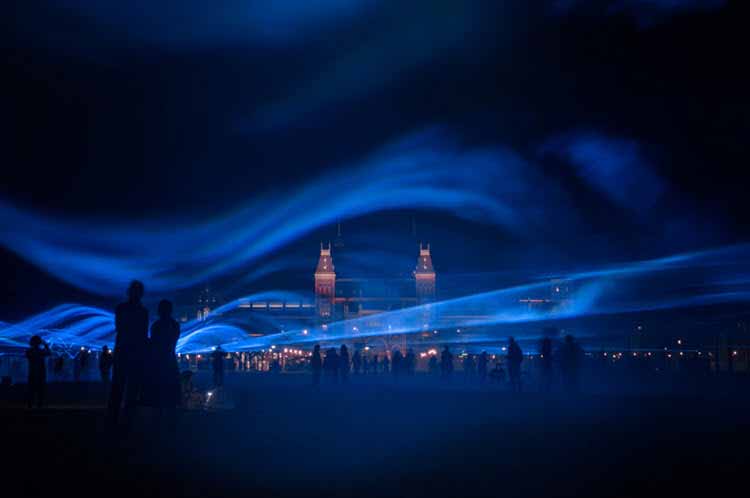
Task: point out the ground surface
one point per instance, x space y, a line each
379 439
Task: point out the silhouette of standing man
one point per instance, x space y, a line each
37 370
482 367
105 368
164 335
131 328
515 357
217 359
446 363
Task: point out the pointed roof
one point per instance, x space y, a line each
325 261
424 261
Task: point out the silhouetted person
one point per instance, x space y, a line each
514 357
446 363
375 365
386 363
105 368
497 375
165 373
397 363
482 367
275 367
331 365
316 364
410 362
344 363
131 328
357 362
365 365
545 358
59 369
432 365
217 364
77 365
570 362
37 356
84 359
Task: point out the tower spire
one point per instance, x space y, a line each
424 274
339 242
325 283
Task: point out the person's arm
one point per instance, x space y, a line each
144 324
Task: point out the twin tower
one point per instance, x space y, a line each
325 281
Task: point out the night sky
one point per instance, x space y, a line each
628 120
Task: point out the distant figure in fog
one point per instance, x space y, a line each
77 365
482 367
410 362
365 365
217 362
357 362
59 369
331 365
386 363
105 367
545 357
514 357
37 357
446 363
570 362
497 375
165 372
397 363
131 329
344 363
316 364
275 368
375 365
85 355
432 365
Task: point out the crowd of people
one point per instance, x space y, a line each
335 366
122 371
137 352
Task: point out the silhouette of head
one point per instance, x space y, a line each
317 348
344 348
512 340
35 341
105 349
135 291
165 308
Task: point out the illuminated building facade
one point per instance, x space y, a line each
339 298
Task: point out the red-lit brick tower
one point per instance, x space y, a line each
424 274
325 284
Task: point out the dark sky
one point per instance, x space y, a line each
185 111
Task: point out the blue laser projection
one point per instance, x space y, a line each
675 281
420 172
